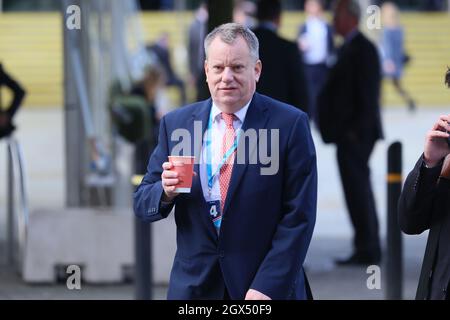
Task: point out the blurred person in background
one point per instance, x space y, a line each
349 116
7 115
424 204
244 12
283 77
196 54
393 51
315 40
161 50
153 80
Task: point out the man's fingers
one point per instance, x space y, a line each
167 166
438 134
435 126
169 174
443 125
170 189
445 117
170 182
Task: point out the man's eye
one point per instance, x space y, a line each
217 68
238 68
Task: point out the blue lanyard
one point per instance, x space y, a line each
209 158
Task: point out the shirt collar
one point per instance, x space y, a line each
240 114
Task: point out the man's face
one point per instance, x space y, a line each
312 7
231 73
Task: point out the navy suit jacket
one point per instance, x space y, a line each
268 220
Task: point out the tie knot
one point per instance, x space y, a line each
228 118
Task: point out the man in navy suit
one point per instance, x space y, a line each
255 243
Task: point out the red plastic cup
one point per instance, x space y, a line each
184 165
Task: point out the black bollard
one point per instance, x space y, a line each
394 257
143 280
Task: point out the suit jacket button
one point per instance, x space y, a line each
222 254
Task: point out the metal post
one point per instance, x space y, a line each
10 205
143 280
394 260
74 150
143 250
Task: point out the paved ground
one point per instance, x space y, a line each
41 134
327 281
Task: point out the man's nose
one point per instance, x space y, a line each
227 75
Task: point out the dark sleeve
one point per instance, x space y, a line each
335 100
415 204
367 86
330 42
193 48
298 95
147 197
301 30
18 92
165 57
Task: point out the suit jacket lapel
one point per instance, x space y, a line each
256 118
200 120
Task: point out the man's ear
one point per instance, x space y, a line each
258 69
206 67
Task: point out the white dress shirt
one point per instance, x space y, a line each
316 39
217 132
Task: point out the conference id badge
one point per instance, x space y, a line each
215 213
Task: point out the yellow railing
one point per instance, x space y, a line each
31 50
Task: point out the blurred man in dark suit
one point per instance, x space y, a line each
161 49
6 116
196 55
425 204
283 77
349 116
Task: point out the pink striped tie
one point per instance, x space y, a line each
227 168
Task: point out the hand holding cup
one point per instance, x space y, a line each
177 176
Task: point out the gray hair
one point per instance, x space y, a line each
229 32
